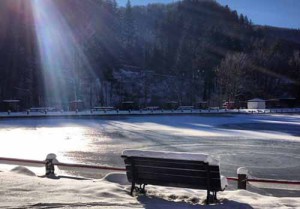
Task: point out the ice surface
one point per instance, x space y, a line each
268 145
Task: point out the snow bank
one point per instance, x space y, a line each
242 171
172 155
23 191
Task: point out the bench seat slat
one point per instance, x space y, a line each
174 181
172 164
174 171
144 178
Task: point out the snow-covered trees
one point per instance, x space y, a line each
232 75
199 49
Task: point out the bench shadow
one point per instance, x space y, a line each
54 177
159 203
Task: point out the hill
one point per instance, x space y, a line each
188 51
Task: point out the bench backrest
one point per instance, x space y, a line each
173 173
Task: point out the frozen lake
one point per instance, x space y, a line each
268 145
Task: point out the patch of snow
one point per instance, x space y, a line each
119 178
22 191
23 170
52 157
224 182
242 171
172 155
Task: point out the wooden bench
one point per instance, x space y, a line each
195 171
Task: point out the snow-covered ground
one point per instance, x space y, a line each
268 145
21 189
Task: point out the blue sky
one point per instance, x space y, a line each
280 13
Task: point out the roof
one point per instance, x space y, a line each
256 100
77 101
11 101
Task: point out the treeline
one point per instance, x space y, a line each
188 51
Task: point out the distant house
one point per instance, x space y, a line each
201 105
128 105
256 103
273 103
287 102
76 105
10 104
229 105
170 105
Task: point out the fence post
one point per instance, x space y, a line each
242 178
50 159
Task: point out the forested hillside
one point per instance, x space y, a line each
188 51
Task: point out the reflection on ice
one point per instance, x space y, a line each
37 143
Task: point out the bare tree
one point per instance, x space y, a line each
231 75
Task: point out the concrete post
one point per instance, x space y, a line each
50 160
242 178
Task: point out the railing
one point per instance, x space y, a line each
271 181
51 161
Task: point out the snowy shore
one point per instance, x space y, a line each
20 188
144 112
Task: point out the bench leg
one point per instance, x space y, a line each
132 188
211 198
142 188
208 197
215 196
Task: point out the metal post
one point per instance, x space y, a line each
242 178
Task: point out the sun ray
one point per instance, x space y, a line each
61 55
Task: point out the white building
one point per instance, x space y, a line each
256 104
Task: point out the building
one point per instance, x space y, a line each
256 104
10 105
